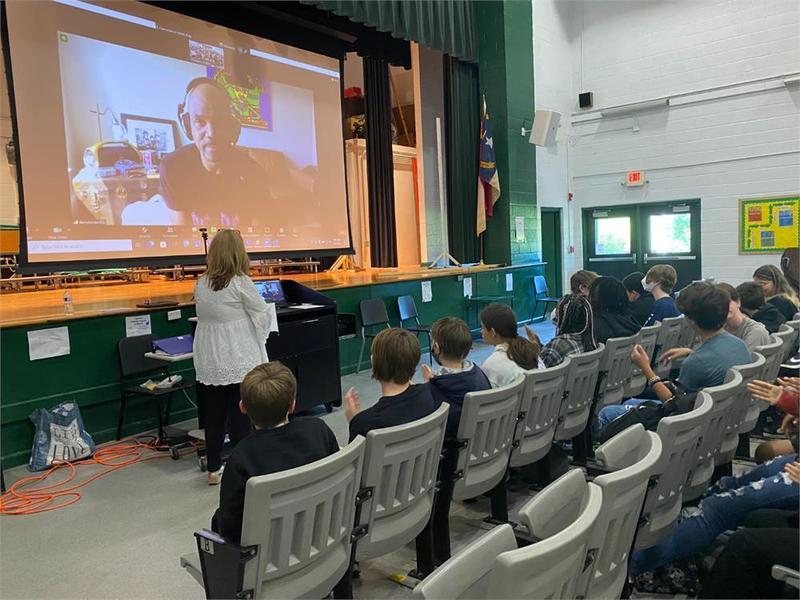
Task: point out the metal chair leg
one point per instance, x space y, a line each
430 347
535 306
121 417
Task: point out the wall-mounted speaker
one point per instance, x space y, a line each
545 125
586 100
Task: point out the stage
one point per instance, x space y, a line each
89 373
99 299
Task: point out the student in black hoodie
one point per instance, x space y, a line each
395 354
450 382
612 316
456 375
277 444
755 306
640 300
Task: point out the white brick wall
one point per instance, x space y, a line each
718 150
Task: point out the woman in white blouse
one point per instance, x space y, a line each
233 322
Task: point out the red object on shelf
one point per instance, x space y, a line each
353 92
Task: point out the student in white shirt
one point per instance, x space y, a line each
233 324
512 354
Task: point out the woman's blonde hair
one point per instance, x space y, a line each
226 259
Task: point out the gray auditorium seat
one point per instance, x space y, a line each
773 353
538 413
299 522
582 377
631 456
485 436
399 478
738 411
615 370
795 325
788 336
648 339
750 418
722 398
680 436
791 577
466 575
562 516
669 337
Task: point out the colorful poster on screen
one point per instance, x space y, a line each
769 225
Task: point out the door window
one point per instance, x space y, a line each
670 234
612 235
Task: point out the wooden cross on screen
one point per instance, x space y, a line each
99 114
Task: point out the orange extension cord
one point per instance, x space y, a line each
20 499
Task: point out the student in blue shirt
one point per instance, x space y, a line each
659 281
706 307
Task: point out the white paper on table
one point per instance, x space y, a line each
519 227
306 306
468 287
47 343
137 325
427 291
509 282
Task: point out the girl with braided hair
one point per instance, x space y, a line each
575 333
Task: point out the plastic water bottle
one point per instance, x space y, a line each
68 308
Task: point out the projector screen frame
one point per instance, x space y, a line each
25 266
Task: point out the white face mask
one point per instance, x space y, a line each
648 287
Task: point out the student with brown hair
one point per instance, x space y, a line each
513 353
751 332
659 281
581 281
395 354
754 304
230 340
267 398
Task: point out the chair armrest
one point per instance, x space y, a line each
786 575
223 565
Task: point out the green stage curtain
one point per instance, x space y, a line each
462 136
448 25
380 169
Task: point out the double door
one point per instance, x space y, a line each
618 240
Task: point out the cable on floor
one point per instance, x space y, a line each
23 499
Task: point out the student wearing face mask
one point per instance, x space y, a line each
659 281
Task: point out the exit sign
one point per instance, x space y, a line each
635 178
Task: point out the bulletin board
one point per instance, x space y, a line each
769 225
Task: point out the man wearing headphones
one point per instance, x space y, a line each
211 180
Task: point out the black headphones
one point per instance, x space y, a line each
183 113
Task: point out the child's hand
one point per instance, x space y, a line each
793 471
790 382
427 373
674 354
531 335
762 390
352 404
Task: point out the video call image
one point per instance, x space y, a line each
166 132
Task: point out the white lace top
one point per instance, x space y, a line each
232 329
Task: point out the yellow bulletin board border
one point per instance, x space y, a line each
762 231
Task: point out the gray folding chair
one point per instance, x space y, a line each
738 412
679 438
753 404
399 482
615 370
773 354
296 529
669 337
787 334
648 339
485 437
631 456
562 517
373 315
538 413
722 399
795 325
584 369
466 575
791 577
